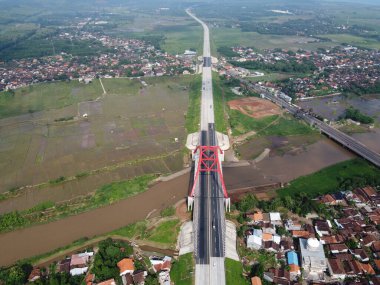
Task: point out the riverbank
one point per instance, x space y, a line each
35 240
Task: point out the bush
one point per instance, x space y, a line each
167 212
356 115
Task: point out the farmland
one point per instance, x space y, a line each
129 131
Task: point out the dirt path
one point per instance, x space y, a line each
101 83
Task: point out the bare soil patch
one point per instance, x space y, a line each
255 107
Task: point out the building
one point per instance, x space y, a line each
294 267
313 258
126 267
34 275
255 241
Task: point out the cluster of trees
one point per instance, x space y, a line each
154 40
356 115
300 203
227 51
12 220
291 66
39 46
16 275
316 26
109 254
361 88
19 273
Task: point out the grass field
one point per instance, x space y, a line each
166 232
182 271
190 37
272 77
194 109
267 126
328 179
235 37
132 231
234 273
353 40
47 96
219 104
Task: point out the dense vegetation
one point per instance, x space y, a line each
19 273
360 90
182 270
109 254
298 196
356 115
280 66
193 112
227 52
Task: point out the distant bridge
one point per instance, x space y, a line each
338 136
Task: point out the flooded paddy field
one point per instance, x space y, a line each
332 108
130 123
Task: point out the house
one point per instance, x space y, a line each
108 282
331 239
286 244
336 269
275 218
291 225
338 248
64 265
78 271
80 260
126 266
313 258
332 199
294 268
34 275
277 276
139 277
271 246
160 263
255 240
377 264
323 228
90 279
375 247
360 254
366 268
164 278
300 234
256 217
126 269
368 240
256 281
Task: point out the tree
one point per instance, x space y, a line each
17 274
249 202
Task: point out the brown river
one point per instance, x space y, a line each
46 237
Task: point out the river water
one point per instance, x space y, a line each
46 237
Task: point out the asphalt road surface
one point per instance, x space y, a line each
209 201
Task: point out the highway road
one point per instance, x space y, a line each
209 199
338 136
